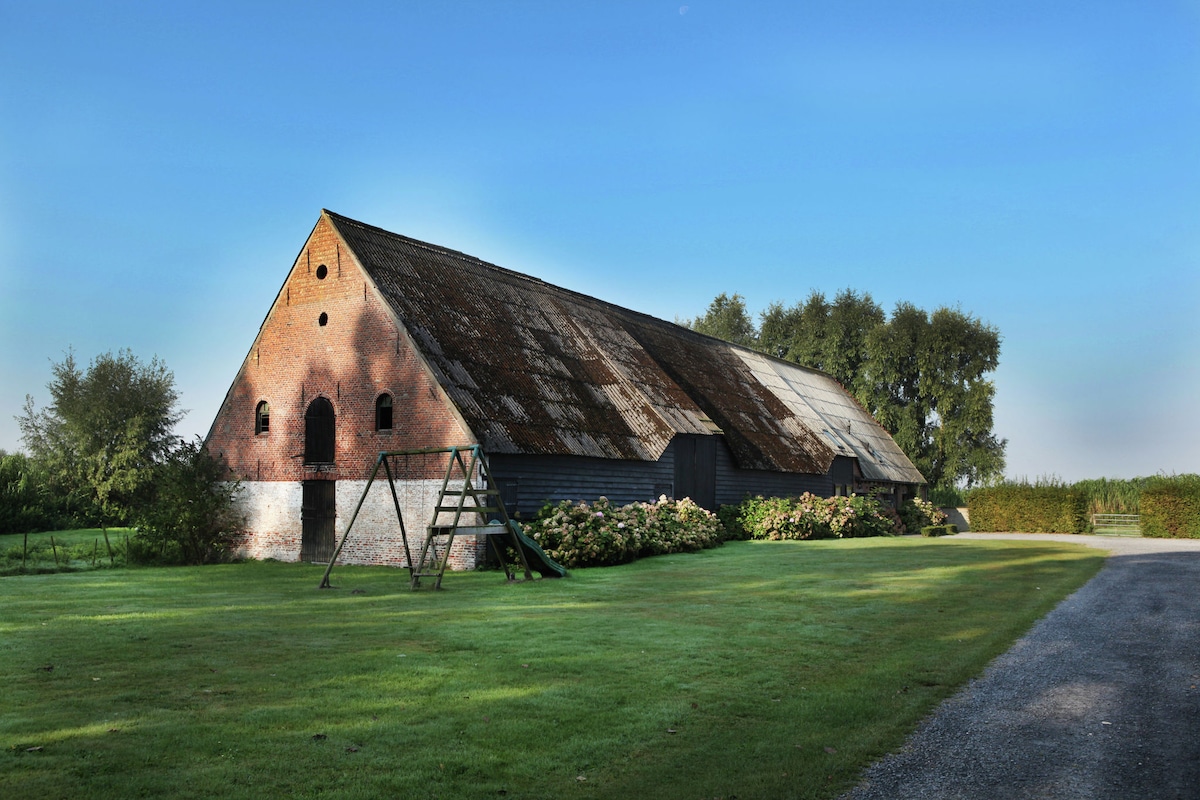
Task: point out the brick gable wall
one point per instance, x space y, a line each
359 353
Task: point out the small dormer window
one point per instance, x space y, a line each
262 418
383 412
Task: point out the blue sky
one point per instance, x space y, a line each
1036 164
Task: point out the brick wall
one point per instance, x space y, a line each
329 335
272 510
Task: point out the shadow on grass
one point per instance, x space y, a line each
711 674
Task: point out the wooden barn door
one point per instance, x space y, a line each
319 432
318 517
696 469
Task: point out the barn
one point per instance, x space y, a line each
378 342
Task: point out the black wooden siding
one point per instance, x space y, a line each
733 484
527 483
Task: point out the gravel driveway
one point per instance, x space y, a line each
1099 700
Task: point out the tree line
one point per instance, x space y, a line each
102 452
924 375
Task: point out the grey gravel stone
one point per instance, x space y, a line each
1099 700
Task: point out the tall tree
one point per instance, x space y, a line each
777 329
890 383
923 376
726 318
852 318
959 353
808 336
104 430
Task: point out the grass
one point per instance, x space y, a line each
62 551
756 670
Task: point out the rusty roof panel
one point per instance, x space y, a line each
537 369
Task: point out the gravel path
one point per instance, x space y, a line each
1099 700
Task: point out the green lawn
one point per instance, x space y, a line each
55 551
756 670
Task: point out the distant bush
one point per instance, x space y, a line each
947 497
1170 507
810 517
939 530
193 517
1027 508
916 514
577 534
26 502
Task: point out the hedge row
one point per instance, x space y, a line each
1171 507
1029 509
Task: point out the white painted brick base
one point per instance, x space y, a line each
272 510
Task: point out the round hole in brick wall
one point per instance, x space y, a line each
323 320
322 271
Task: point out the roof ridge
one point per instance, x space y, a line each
436 248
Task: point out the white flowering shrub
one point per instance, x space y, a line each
577 534
812 517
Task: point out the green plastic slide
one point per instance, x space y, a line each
535 555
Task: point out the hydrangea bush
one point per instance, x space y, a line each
811 517
577 534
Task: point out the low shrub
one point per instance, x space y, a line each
939 530
1170 507
577 534
730 517
916 514
1027 508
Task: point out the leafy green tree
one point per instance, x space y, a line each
852 318
103 432
808 338
727 319
831 337
959 353
890 384
925 382
25 505
777 329
922 375
192 517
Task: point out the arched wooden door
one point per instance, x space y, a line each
318 504
319 432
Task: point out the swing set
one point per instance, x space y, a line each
470 495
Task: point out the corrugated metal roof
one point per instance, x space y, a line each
537 369
825 406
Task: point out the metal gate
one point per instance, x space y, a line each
318 517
